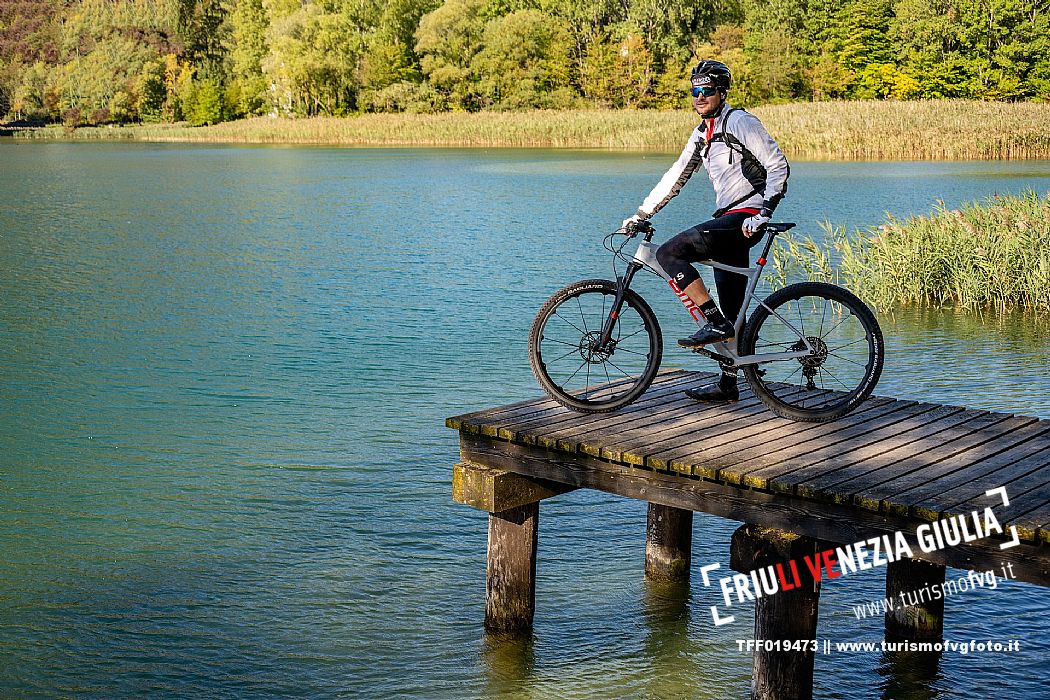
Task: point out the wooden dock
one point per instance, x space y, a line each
891 466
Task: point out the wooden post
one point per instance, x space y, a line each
513 504
668 543
511 571
785 615
915 617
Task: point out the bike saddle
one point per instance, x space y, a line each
780 227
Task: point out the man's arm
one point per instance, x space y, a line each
676 177
754 136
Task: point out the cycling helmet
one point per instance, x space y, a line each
709 72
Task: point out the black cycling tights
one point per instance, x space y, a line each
719 239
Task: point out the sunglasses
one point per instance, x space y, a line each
706 91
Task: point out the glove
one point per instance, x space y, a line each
754 224
628 224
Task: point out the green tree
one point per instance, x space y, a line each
205 103
312 61
247 48
525 62
447 41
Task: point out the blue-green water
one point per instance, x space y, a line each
223 468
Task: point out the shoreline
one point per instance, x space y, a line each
955 130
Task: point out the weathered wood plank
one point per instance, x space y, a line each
825 521
702 432
695 422
931 498
708 458
477 421
856 432
966 456
1029 509
566 436
784 443
523 427
784 476
495 490
943 452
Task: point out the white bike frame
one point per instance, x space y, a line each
646 255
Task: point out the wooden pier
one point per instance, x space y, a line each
891 466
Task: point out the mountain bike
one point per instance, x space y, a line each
811 351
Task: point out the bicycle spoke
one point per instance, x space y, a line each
562 357
580 330
851 315
577 371
640 330
825 369
632 352
839 357
560 342
858 340
626 374
583 317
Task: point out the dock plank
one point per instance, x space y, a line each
781 476
790 439
989 465
925 459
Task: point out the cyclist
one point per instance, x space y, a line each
749 173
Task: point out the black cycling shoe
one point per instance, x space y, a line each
725 391
710 333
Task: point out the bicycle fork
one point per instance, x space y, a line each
622 285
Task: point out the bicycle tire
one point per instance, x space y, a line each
622 386
862 363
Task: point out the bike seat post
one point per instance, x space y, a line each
771 233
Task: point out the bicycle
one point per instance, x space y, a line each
836 351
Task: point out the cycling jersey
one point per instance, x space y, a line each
746 166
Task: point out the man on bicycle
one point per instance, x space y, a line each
749 173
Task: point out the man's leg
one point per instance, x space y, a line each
733 250
714 239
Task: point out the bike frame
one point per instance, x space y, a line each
645 256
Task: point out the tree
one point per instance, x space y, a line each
447 41
247 48
312 60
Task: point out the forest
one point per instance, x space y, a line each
90 62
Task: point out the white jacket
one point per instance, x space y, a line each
746 167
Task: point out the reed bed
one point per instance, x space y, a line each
918 130
993 254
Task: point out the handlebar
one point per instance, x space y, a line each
635 227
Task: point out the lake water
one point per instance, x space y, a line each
223 467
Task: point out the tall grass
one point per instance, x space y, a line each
921 130
992 254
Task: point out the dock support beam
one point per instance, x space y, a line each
787 614
510 577
668 543
924 620
513 504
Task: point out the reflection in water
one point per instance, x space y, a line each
509 658
666 615
987 359
910 675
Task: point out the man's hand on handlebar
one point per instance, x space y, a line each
628 225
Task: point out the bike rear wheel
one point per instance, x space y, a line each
565 352
841 372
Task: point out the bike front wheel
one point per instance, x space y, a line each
847 358
570 363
